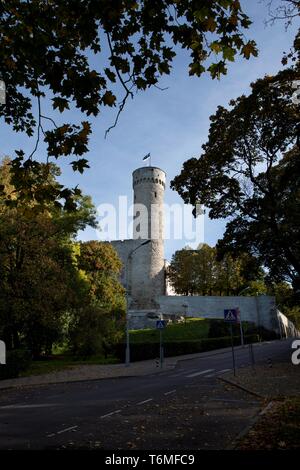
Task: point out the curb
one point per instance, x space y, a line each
94 379
252 423
234 384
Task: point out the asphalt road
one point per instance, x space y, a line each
186 407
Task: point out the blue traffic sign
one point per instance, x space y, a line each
160 324
231 315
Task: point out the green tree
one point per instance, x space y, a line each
249 171
229 278
180 272
94 327
47 48
39 278
205 270
199 272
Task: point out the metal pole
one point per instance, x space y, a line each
252 355
127 352
241 331
242 334
160 348
232 348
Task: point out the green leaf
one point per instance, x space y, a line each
110 74
218 69
229 53
80 165
249 49
216 47
109 99
196 69
60 103
211 24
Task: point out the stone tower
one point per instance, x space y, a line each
148 273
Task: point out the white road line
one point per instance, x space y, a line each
223 371
110 414
200 373
209 376
145 401
15 407
51 435
182 372
67 429
171 391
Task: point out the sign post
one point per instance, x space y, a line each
231 316
160 325
241 326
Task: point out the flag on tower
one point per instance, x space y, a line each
146 157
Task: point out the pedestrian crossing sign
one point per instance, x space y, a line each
231 315
160 324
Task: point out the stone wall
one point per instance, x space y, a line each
124 248
260 310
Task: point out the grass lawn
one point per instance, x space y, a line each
193 328
279 429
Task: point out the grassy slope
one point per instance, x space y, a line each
194 328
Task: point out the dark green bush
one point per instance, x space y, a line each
263 333
17 361
218 329
143 351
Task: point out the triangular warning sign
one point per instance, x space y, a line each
230 315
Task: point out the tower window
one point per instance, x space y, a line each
155 195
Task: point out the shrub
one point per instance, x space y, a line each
92 331
17 361
150 350
85 331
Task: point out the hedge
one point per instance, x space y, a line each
150 350
17 361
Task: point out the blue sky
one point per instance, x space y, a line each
171 124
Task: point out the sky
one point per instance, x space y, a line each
172 124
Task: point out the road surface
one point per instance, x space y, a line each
186 407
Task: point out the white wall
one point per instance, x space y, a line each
260 309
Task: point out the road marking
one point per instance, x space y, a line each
67 429
182 372
209 376
171 391
42 405
200 373
223 371
145 401
110 414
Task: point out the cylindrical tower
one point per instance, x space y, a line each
147 275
